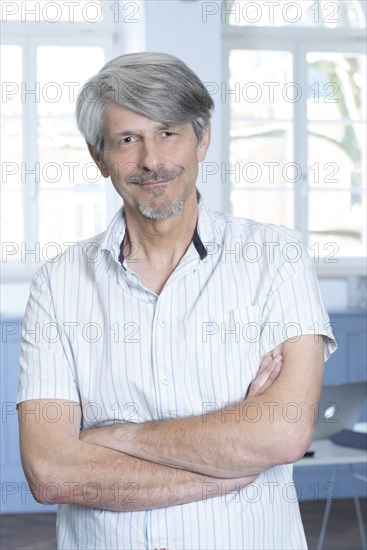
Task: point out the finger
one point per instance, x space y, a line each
258 383
266 359
275 368
275 372
272 376
265 378
265 362
270 366
271 379
270 361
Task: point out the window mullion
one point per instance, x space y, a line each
226 133
301 143
30 168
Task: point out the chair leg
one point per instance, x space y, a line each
325 519
358 509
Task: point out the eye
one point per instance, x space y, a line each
128 139
167 133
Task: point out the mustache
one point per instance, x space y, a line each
154 176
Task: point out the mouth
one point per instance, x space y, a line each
154 182
151 179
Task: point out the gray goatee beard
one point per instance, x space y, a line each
162 209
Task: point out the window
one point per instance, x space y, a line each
296 116
52 193
302 13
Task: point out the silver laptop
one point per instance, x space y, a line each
339 408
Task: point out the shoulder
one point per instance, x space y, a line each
78 259
247 226
266 249
257 233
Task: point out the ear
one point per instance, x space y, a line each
98 159
204 144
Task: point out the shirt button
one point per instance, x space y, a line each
162 323
165 380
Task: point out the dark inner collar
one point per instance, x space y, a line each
198 243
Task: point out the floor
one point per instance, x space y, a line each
37 531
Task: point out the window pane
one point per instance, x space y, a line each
58 10
261 154
267 206
61 71
261 140
11 80
337 155
64 157
260 84
12 169
336 86
304 13
336 223
12 229
67 213
11 111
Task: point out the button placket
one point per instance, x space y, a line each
163 349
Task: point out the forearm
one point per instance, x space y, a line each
218 444
243 439
93 476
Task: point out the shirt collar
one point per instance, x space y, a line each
198 243
111 241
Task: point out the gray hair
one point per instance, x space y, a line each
157 85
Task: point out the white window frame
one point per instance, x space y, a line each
299 41
111 35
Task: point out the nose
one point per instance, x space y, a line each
151 155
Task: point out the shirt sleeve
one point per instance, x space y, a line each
294 305
46 370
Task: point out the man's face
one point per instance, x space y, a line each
153 167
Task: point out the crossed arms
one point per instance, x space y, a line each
164 463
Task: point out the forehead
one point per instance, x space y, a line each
116 116
118 119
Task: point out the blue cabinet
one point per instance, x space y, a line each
15 493
348 364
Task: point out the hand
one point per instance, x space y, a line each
268 372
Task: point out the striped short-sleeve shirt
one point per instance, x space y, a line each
95 335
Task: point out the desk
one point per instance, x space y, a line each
329 454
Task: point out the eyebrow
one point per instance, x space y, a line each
125 133
136 132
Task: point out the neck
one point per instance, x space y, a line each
161 242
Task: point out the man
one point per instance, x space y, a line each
144 429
